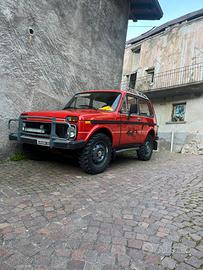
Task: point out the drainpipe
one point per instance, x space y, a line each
172 140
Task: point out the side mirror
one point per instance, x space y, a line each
133 109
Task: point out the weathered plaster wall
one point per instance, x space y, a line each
76 45
178 46
187 135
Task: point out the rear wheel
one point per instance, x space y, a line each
96 155
145 151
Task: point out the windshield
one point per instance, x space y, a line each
106 101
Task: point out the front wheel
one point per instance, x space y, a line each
96 155
145 151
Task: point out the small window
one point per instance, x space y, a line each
144 108
136 50
178 113
132 82
150 74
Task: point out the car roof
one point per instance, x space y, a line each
134 92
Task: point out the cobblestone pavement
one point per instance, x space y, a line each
136 215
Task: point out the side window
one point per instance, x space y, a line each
125 108
144 108
131 100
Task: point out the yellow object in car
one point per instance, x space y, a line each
106 108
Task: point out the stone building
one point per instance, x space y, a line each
52 49
167 64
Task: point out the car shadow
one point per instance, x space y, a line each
69 159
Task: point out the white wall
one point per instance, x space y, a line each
190 132
193 115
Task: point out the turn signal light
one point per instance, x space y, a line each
73 119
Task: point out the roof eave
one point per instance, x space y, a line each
145 10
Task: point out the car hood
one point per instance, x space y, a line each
84 114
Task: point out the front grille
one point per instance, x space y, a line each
36 126
61 130
43 129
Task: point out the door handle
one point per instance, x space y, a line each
139 119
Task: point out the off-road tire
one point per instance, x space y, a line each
34 152
87 156
145 151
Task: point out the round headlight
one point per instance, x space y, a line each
72 132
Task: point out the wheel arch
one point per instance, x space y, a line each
86 160
152 133
103 130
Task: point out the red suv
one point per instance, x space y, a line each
95 125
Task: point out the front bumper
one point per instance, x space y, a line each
53 141
56 143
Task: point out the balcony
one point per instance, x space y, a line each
185 80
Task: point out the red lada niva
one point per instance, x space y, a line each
95 125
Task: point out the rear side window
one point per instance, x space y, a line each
144 108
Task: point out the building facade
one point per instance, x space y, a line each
166 63
52 49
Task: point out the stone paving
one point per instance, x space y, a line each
137 215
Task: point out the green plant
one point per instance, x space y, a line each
18 156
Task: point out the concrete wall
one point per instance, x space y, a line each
188 136
50 49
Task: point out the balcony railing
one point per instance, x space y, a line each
173 78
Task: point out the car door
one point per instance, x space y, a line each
146 115
130 125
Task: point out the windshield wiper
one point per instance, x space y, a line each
88 107
81 107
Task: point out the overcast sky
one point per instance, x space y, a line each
172 9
